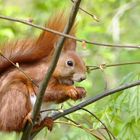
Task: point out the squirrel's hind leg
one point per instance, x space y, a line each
14 107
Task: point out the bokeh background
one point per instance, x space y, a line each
119 23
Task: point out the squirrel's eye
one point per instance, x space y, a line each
70 63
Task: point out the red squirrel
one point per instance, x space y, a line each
34 57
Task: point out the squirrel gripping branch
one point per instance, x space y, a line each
17 92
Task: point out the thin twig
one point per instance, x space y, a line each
48 110
80 125
99 121
90 131
42 88
71 120
68 36
107 130
103 66
93 16
20 69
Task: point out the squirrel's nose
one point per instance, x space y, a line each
82 78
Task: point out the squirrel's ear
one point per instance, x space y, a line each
70 44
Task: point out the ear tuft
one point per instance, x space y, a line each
70 44
47 40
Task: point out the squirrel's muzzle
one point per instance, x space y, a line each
79 77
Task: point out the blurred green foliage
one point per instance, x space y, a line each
120 24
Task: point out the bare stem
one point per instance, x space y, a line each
92 15
103 66
90 131
107 130
66 35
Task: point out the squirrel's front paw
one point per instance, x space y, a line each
76 93
81 92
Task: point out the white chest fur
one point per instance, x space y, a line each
33 99
47 108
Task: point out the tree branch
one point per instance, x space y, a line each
103 66
36 109
68 36
90 101
94 99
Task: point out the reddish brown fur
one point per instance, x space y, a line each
30 50
16 89
14 106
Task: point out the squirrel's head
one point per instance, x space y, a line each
70 67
